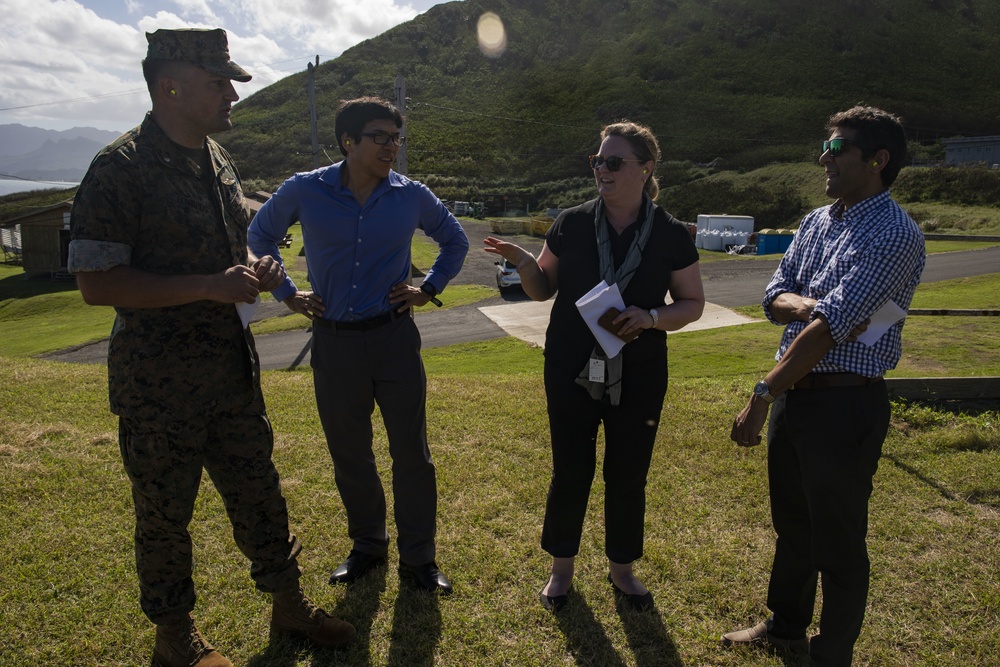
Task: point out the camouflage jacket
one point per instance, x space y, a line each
146 204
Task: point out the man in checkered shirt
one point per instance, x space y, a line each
851 263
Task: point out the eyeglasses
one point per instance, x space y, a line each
381 138
613 162
836 146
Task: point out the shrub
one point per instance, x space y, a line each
968 185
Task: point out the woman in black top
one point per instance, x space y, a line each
621 237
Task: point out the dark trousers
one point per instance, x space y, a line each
352 372
629 434
164 461
823 450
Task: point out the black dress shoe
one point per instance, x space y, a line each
426 576
358 563
553 603
632 600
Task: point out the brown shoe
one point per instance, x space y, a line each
181 645
295 615
760 636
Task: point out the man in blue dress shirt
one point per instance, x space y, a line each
830 411
358 219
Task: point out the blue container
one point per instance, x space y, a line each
768 243
784 241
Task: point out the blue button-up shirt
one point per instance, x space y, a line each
355 253
852 262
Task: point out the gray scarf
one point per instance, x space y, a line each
613 366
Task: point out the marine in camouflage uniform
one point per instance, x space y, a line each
183 378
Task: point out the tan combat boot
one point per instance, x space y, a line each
181 645
296 615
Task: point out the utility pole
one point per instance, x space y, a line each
312 112
401 166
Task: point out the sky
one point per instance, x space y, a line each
76 63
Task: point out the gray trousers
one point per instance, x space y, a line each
352 372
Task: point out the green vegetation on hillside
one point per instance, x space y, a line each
749 83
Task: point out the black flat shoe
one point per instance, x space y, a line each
553 603
426 576
632 600
357 565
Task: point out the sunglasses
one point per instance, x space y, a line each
614 162
381 138
836 146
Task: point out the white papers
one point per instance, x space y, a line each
595 303
882 319
246 310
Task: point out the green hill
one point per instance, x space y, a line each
747 81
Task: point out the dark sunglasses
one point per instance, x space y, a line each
381 138
836 146
614 162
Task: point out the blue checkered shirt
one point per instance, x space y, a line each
852 262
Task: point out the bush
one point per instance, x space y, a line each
770 205
968 185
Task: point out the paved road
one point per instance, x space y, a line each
727 283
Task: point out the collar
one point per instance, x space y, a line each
172 155
863 208
331 177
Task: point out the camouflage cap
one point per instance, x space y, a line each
208 49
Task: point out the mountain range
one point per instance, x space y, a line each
49 155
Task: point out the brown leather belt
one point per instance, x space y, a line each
824 380
359 325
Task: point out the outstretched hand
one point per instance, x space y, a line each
511 252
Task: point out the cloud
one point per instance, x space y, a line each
63 63
62 51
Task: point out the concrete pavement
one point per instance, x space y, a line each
727 284
529 319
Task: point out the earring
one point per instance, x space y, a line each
644 171
173 92
347 143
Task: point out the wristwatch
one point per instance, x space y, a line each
655 315
430 291
763 391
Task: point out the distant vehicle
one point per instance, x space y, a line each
507 275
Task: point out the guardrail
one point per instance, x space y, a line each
961 237
947 388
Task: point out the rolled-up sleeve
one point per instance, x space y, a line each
104 219
439 223
886 268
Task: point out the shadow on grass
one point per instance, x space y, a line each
648 638
416 628
984 497
589 644
358 606
19 287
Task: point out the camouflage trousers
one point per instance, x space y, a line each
164 462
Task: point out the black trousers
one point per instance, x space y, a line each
823 450
352 372
629 434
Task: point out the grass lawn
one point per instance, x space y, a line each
68 593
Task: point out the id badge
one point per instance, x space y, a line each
597 370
